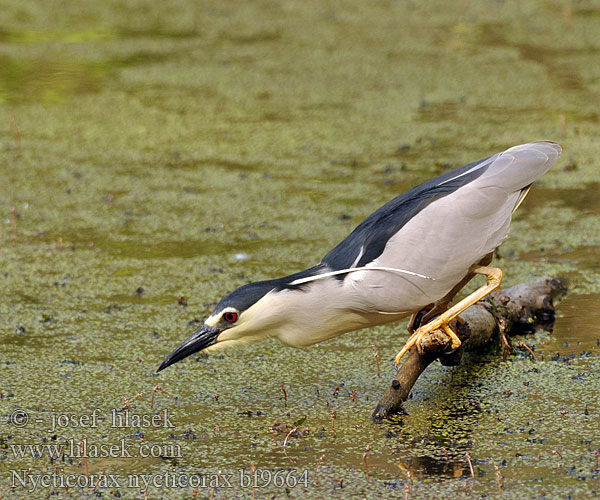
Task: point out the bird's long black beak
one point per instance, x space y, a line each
200 339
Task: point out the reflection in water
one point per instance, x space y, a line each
577 326
584 199
427 466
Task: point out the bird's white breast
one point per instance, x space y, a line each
323 310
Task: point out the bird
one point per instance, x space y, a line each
408 258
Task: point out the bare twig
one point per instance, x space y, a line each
506 348
159 388
272 431
367 451
83 450
470 465
376 354
499 479
212 493
139 395
523 344
98 482
294 429
253 470
293 460
127 400
282 389
290 430
406 469
316 469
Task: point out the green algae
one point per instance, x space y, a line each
145 146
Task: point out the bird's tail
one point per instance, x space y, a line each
516 168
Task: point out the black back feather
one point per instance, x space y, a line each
374 232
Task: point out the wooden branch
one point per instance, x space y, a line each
517 310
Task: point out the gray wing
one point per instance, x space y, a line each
369 239
451 232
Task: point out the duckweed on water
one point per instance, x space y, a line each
145 146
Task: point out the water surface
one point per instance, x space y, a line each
145 145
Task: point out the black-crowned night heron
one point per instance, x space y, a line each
411 256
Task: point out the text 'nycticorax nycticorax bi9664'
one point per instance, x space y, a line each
411 256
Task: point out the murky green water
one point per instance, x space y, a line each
145 144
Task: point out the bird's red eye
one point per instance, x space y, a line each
230 317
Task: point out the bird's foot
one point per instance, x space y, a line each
453 337
425 330
494 278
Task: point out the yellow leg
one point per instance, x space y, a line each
494 278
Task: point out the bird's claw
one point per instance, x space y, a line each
418 336
453 337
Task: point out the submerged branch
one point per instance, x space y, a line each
519 309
